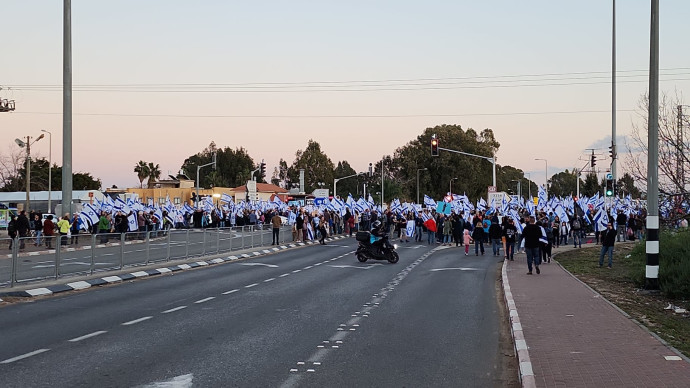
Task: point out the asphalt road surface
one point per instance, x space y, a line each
306 317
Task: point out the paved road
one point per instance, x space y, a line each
311 316
38 263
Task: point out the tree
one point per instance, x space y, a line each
154 173
674 143
11 162
563 184
142 170
474 174
233 166
591 185
626 185
39 178
346 186
317 166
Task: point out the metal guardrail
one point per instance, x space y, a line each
115 251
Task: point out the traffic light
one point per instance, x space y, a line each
371 170
434 146
612 151
594 161
263 169
609 187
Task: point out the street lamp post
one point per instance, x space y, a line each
28 144
450 186
336 180
50 169
546 175
519 192
418 170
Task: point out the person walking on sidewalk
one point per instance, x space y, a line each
38 230
49 231
467 241
276 222
607 240
509 232
575 227
531 235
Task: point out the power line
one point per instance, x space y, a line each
330 116
358 86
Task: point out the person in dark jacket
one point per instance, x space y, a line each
495 234
608 238
12 229
23 227
478 236
621 220
531 234
458 227
49 231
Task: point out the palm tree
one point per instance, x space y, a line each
154 174
142 170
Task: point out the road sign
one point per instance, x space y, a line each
609 176
536 201
497 198
492 189
320 201
320 193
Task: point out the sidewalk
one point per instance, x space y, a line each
567 335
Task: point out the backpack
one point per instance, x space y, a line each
549 232
576 224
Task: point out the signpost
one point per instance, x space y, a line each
251 190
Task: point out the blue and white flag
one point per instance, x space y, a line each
601 219
429 202
426 216
226 198
410 228
90 214
561 213
132 223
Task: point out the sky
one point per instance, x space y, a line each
158 80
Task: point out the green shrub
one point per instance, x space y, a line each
674 264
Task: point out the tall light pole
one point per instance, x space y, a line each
418 170
450 186
519 192
529 184
546 174
28 144
336 180
382 184
50 169
67 108
613 94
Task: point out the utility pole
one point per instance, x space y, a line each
613 94
652 246
67 108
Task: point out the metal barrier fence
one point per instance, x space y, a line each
88 253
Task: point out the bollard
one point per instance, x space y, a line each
148 247
57 256
186 245
93 253
122 250
15 255
169 234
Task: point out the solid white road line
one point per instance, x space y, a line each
136 321
175 309
23 356
95 333
205 299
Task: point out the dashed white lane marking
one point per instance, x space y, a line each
205 299
269 280
251 285
349 328
95 333
136 321
284 275
23 356
175 309
297 270
230 292
447 269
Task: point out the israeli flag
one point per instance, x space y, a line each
601 219
90 214
410 228
132 223
372 204
517 223
429 202
561 213
225 198
310 232
426 216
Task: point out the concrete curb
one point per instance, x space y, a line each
521 349
80 285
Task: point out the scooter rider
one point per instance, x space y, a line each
377 234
